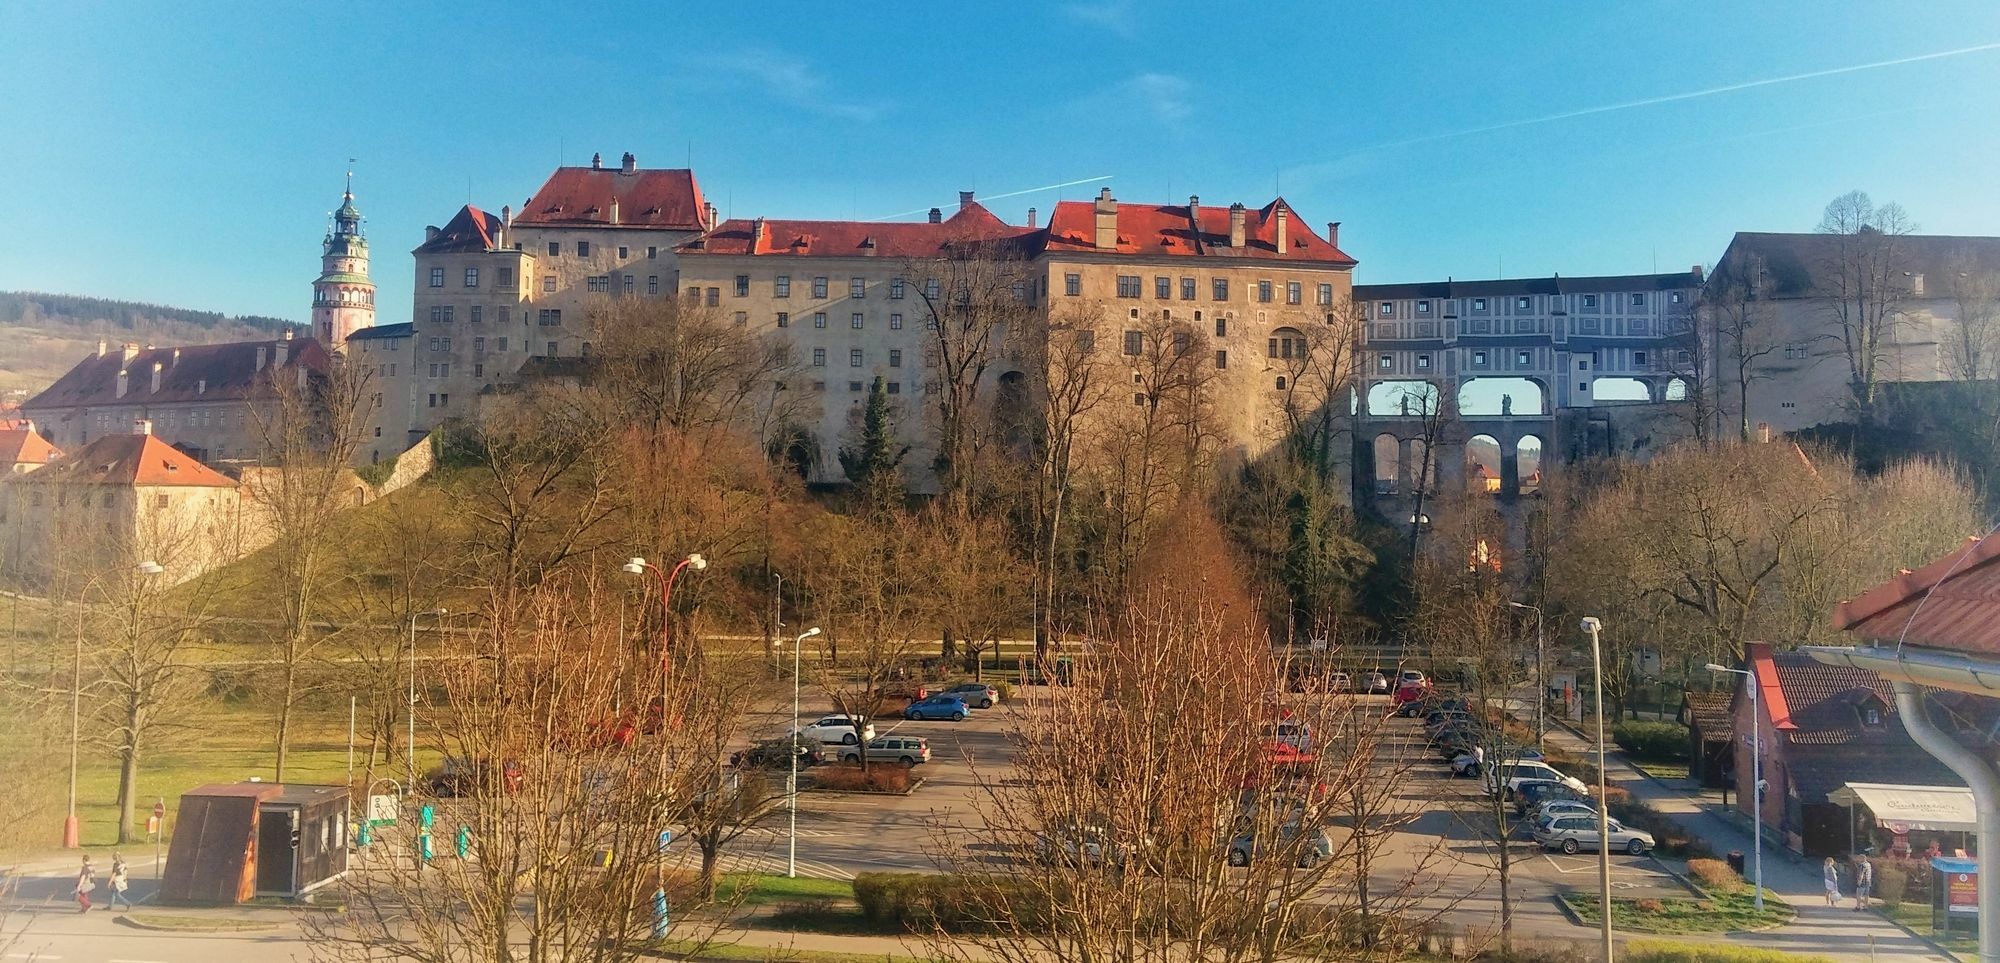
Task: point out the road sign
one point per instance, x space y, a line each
381 810
160 809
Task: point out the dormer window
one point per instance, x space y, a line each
1871 716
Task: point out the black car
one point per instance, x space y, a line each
461 776
772 754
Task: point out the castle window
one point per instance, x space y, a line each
555 248
819 357
895 357
472 277
1221 359
1294 292
1163 288
1325 295
652 284
854 357
583 249
857 288
895 322
896 289
784 319
1128 285
743 285
819 287
476 314
548 284
1073 284
623 253
1264 292
855 321
1220 289
819 319
437 277
781 286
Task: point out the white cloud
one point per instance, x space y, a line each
1112 15
787 79
1164 95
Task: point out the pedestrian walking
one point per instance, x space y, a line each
1832 873
121 879
86 880
1864 881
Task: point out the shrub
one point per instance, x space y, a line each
1892 885
1661 951
1650 906
1715 875
1005 688
1916 875
918 902
1652 741
879 777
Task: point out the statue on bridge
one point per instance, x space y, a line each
1506 405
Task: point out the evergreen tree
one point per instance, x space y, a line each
872 463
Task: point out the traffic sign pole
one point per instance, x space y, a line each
159 840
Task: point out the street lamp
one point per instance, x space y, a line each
1756 783
1541 682
411 713
1593 626
639 566
792 784
71 835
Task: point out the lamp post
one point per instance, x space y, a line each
792 784
71 835
1593 626
1541 682
639 566
410 712
1756 783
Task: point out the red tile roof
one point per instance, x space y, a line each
1156 229
471 229
895 239
583 196
1952 603
24 445
130 460
202 372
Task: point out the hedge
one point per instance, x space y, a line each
1660 951
884 777
1652 741
920 902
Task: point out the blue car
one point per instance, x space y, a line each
937 707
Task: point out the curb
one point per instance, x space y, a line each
1913 934
234 925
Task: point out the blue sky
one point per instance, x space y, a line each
189 153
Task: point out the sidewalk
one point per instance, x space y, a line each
1832 931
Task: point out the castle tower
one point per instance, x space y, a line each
343 297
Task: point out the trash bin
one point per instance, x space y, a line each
1736 861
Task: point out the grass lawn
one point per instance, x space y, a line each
766 889
198 924
1917 916
1660 770
738 951
1722 914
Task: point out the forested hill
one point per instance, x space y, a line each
44 335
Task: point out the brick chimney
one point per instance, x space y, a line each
1333 233
1031 217
629 164
1107 220
936 216
756 234
124 379
964 199
596 161
1284 234
1237 216
156 377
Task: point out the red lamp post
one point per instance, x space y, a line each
639 566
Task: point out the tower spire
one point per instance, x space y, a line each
343 297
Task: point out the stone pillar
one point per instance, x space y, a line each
1405 471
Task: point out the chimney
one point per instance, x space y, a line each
1194 211
431 233
1107 220
936 215
176 358
279 351
964 199
260 359
143 426
129 349
1284 232
124 378
156 377
102 347
1333 233
614 210
596 162
1031 217
1696 270
506 221
711 215
630 163
201 386
288 334
756 234
1236 221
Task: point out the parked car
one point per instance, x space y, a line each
1553 808
1534 792
1086 844
1468 764
908 750
1454 741
1413 699
937 707
1245 848
1281 755
470 775
1338 682
774 753
978 695
1504 777
1374 683
1412 677
837 728
1571 833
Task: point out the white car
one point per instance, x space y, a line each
837 729
1411 677
1502 779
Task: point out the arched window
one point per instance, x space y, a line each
1285 344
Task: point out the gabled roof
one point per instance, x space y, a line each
25 446
583 196
471 229
1710 712
201 372
1201 231
402 329
1796 265
972 224
1952 603
130 460
1515 287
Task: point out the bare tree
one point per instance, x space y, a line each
1160 448
310 425
1861 278
976 297
1737 322
1071 383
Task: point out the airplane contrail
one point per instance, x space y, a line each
1689 95
995 197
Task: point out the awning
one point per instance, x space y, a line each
1901 809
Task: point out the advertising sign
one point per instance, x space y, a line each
1961 893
